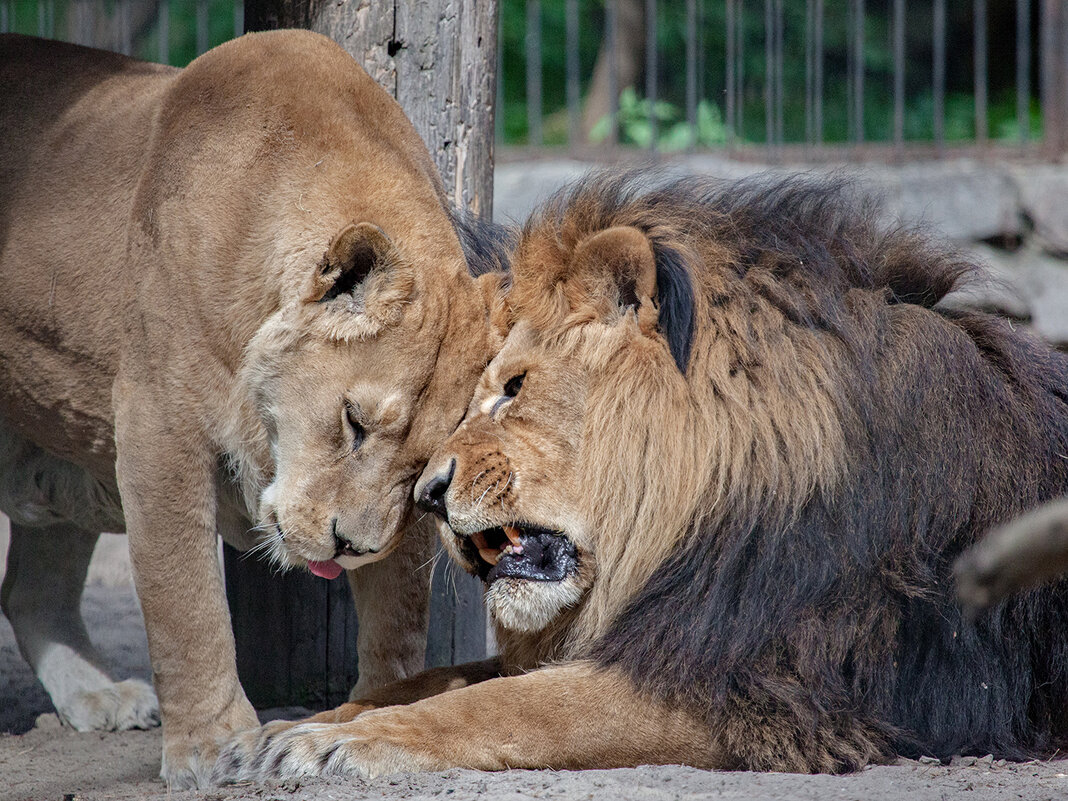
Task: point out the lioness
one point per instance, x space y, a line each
714 482
229 293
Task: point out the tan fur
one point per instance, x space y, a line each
608 442
168 240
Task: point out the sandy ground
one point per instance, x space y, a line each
40 760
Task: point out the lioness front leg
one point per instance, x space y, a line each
166 473
41 596
392 600
567 717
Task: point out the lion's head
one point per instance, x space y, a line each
649 384
356 381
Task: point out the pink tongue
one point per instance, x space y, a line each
327 570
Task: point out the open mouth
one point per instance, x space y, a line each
520 551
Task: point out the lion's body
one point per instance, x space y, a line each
172 333
766 443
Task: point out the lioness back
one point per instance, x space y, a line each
60 277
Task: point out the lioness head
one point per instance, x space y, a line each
356 380
546 466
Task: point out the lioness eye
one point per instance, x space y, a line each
513 385
358 432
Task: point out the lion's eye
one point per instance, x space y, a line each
513 385
358 431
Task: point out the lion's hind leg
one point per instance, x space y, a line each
41 597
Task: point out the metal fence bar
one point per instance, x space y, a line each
809 71
1023 70
899 75
611 37
981 124
125 34
858 71
1054 60
739 48
650 70
818 80
780 22
769 73
164 32
7 22
239 18
729 73
533 42
571 44
202 26
691 70
938 70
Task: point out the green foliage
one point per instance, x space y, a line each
636 117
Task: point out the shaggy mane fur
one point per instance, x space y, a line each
831 441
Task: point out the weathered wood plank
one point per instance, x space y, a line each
438 58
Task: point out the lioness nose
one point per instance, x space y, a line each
432 498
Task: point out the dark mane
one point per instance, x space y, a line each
822 234
826 636
487 245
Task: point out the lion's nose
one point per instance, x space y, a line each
432 496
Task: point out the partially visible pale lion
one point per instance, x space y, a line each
224 292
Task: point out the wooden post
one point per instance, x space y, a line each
438 58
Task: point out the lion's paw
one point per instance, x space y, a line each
311 749
129 704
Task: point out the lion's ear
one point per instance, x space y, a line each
357 251
616 270
621 268
494 288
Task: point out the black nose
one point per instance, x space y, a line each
432 498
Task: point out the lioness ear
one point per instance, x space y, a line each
616 270
357 251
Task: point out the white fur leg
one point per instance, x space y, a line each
41 597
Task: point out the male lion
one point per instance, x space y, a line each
229 293
714 482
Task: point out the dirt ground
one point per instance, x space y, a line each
40 760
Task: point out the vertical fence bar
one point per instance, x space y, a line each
809 71
239 18
1023 70
739 72
650 70
981 127
938 71
780 22
1054 59
125 34
202 26
701 50
164 32
691 71
729 73
769 73
899 76
533 42
41 19
858 72
817 88
5 16
611 39
571 45
849 67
